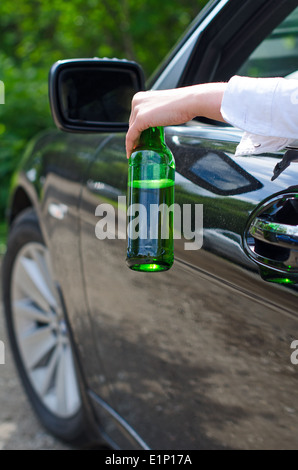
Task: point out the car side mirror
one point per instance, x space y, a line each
93 95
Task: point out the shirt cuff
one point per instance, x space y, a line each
252 144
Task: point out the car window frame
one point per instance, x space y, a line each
248 38
219 42
168 73
231 38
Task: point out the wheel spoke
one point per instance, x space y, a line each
43 265
43 376
25 309
30 281
36 344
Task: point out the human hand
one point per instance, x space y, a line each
172 107
155 108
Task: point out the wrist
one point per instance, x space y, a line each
206 99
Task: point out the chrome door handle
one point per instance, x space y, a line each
271 237
282 235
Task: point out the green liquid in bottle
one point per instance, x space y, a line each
151 180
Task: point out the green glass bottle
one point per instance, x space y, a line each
150 213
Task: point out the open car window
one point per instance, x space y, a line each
277 54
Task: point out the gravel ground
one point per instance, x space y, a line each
19 428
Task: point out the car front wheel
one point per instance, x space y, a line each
39 335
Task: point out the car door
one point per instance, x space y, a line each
200 356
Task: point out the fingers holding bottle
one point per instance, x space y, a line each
171 107
152 109
140 119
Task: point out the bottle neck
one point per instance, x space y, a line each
154 137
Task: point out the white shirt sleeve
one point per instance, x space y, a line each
266 109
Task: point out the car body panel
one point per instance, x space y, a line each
203 350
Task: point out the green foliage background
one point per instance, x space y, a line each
34 34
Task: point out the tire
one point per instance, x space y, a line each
39 335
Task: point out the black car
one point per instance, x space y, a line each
203 356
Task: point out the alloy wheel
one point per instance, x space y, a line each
41 331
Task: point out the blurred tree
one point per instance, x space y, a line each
36 33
